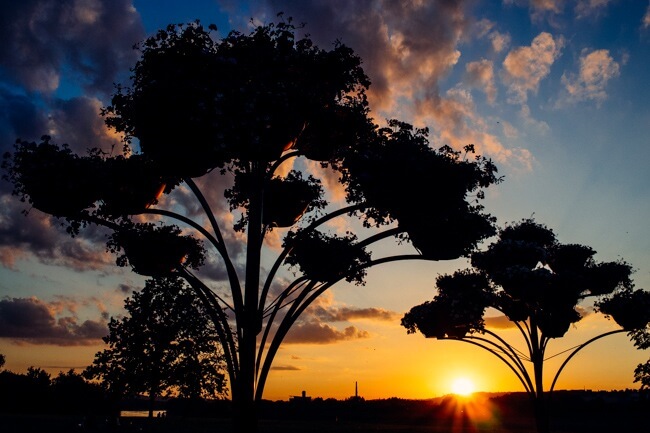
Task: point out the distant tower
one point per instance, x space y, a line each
356 389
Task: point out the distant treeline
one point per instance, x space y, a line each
35 392
66 394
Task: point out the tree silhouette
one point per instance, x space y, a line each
641 338
540 286
240 110
166 344
642 375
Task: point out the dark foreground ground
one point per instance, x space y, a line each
54 424
578 412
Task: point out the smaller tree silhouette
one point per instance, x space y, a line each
541 286
641 338
166 345
642 375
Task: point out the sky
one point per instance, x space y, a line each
554 92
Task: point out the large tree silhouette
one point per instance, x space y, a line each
165 345
245 107
540 285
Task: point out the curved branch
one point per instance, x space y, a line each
235 287
278 305
275 304
220 321
523 376
278 162
579 348
288 248
518 324
284 327
102 222
298 307
525 334
515 352
206 208
189 222
514 358
379 236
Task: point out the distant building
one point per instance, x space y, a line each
300 398
356 396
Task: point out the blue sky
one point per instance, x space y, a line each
555 92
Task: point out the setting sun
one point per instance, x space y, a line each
462 386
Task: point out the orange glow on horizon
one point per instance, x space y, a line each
470 413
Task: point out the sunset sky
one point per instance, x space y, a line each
555 92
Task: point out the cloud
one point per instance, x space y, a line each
92 39
525 67
540 10
313 326
285 368
646 18
322 333
459 124
345 314
41 236
125 289
326 309
589 8
500 41
78 123
20 117
480 74
403 53
407 49
30 320
499 322
485 28
596 69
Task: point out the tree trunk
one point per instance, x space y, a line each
540 409
541 414
245 407
152 400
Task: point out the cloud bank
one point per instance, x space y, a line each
32 321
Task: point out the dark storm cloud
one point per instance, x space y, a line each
30 320
91 38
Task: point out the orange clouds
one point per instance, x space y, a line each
322 333
314 326
525 67
481 74
596 69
